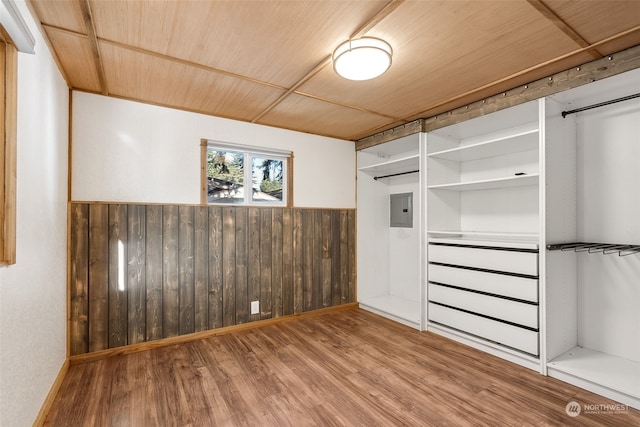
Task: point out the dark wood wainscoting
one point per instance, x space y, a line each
145 272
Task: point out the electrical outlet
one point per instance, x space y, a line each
255 307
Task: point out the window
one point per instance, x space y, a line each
240 175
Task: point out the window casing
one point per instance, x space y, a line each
8 147
14 36
243 175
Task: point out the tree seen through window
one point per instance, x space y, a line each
228 179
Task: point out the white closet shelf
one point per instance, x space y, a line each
404 164
522 139
487 184
493 235
490 241
397 308
615 373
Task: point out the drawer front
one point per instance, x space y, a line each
491 283
511 311
502 333
489 259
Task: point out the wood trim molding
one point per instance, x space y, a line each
556 20
186 63
111 202
70 266
95 47
391 134
70 145
3 155
342 104
11 148
8 155
387 10
165 342
293 88
290 181
203 171
598 69
53 392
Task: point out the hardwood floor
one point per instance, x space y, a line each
348 367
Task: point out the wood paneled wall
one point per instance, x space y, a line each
143 272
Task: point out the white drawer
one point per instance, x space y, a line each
489 259
502 333
491 283
511 311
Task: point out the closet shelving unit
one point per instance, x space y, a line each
512 141
483 222
483 176
488 184
592 233
603 248
405 164
389 268
521 212
594 358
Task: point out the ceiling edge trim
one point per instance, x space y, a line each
391 134
611 65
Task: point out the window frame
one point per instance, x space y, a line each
249 153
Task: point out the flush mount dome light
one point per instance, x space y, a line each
362 59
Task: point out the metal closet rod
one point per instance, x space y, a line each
394 174
601 104
605 248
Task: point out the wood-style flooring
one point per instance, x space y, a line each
344 368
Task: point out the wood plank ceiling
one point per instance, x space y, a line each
269 62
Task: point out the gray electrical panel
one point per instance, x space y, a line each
401 214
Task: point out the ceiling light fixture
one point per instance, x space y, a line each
362 59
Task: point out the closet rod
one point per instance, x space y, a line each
605 248
601 104
394 174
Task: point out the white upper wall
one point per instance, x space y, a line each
33 301
124 151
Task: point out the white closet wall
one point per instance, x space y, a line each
389 267
609 212
404 243
592 298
